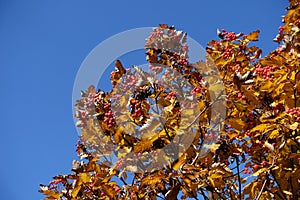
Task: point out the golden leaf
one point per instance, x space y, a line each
51 194
253 36
108 191
293 126
253 189
85 177
75 191
287 192
179 163
274 134
237 123
212 147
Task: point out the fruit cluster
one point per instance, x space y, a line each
241 96
295 112
227 53
135 106
171 95
227 35
130 80
108 117
156 69
266 71
164 37
196 90
53 184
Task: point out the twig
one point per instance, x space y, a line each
203 111
239 177
261 190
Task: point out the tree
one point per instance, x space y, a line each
139 150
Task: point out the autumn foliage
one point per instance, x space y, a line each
133 142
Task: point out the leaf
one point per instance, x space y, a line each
216 89
241 105
274 134
212 147
172 193
178 163
85 177
253 36
260 128
75 191
293 126
117 74
258 172
253 189
237 123
233 134
108 191
287 192
53 194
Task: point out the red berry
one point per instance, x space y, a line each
255 167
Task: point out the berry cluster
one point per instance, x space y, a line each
120 163
164 37
98 98
185 49
247 170
171 95
197 90
248 133
281 29
53 184
131 80
266 71
227 35
280 49
136 110
230 36
183 61
235 68
227 53
210 136
108 117
156 69
295 112
241 96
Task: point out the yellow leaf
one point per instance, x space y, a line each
267 86
75 191
237 123
241 105
187 112
253 189
179 163
52 194
108 191
293 126
216 89
274 134
233 134
287 192
253 36
85 177
212 147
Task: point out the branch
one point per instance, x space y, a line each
262 189
239 177
204 110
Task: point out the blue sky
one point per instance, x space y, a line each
42 45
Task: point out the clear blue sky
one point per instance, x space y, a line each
42 44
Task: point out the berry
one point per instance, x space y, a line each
255 167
